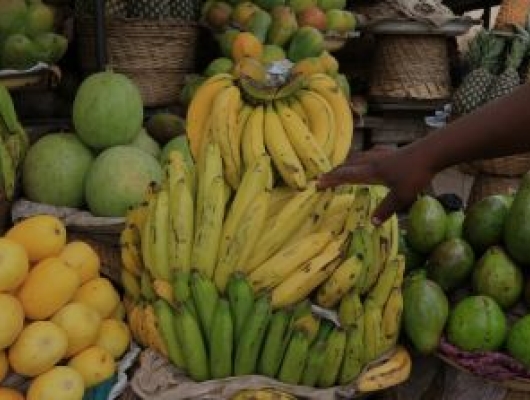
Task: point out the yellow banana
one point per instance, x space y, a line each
201 107
253 140
242 119
130 284
133 320
326 86
374 340
339 283
360 213
391 319
273 271
262 394
308 323
243 241
282 152
336 214
279 196
302 281
153 337
321 119
131 256
224 130
159 237
305 145
390 372
147 235
286 223
297 107
178 169
255 180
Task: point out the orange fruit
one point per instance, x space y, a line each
246 45
10 394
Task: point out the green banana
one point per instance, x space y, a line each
380 292
333 358
146 287
205 298
314 363
254 329
192 344
8 116
276 340
8 170
241 298
325 329
360 214
362 247
353 362
221 341
166 322
374 340
373 269
350 309
181 286
295 357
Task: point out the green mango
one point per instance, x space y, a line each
283 26
484 222
259 24
19 52
218 66
39 19
427 224
306 42
51 47
12 16
455 222
425 311
516 228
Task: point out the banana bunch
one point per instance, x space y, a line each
14 143
305 126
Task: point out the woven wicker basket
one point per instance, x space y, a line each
156 55
487 185
411 67
511 166
512 12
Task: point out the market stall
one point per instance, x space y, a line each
163 236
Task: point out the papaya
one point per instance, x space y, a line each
259 24
283 26
484 222
306 42
425 311
427 224
516 228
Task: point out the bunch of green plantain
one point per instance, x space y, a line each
14 143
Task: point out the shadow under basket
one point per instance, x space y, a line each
155 54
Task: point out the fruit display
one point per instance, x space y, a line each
26 35
222 281
466 297
61 322
305 125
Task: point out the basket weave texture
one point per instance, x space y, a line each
156 54
512 12
487 185
411 67
512 166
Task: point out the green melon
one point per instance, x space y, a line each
54 170
118 179
108 110
145 142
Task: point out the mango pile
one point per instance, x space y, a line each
61 324
467 291
26 35
223 280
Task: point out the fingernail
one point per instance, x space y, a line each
376 221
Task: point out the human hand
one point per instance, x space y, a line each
404 171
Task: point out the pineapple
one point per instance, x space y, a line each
484 52
509 80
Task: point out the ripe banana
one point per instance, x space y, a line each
297 107
241 298
273 271
392 372
334 217
336 344
252 335
201 107
205 299
166 323
130 284
131 257
288 221
374 340
343 279
147 235
153 337
253 140
305 145
181 224
159 237
350 309
380 292
327 87
192 344
276 340
391 319
244 241
262 394
301 282
360 214
295 358
221 341
225 112
163 290
321 119
279 196
281 151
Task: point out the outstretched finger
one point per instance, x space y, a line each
348 174
388 206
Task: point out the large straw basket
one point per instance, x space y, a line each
511 166
512 12
413 67
156 54
487 185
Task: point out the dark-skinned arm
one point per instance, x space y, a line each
500 128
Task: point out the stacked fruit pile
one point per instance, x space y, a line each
305 125
474 303
26 35
14 143
229 276
61 322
